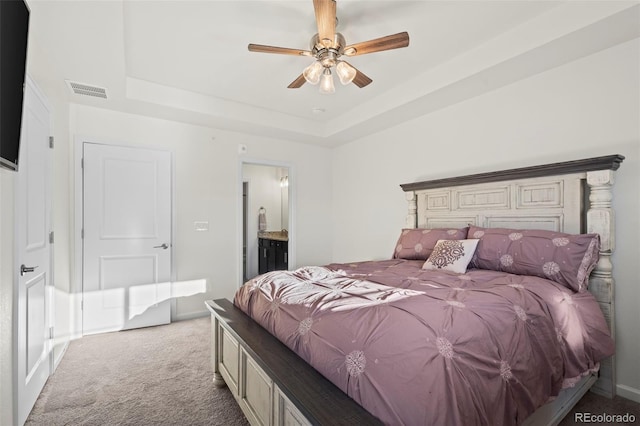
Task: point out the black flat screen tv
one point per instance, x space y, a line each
14 29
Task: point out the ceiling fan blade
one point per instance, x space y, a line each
297 83
394 41
360 79
280 50
326 19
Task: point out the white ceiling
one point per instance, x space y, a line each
188 60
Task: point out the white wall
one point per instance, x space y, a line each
7 228
207 188
586 108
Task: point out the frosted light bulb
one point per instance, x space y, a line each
326 85
346 73
313 72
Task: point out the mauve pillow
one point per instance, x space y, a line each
564 258
418 243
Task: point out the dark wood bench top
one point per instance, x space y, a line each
319 400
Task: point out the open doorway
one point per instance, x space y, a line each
266 225
245 219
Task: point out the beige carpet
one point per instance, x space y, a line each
151 376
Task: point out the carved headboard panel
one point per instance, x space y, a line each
572 197
551 203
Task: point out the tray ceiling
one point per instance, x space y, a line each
188 60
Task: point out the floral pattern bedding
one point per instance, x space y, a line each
425 347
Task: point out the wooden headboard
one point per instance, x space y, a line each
572 197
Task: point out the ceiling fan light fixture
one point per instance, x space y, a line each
313 72
327 46
326 84
346 73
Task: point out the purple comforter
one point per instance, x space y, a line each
421 347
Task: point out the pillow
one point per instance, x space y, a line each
564 258
418 243
451 255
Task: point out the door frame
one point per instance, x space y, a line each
292 258
245 226
78 221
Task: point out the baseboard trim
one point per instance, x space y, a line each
57 360
191 315
628 392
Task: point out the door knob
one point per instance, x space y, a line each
164 246
25 269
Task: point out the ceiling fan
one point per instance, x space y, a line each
328 46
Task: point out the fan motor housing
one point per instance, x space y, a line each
327 55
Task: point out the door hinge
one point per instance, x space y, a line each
51 142
82 305
82 163
51 237
50 332
82 233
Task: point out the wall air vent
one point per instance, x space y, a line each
87 89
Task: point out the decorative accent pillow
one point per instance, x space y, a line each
418 243
451 255
564 258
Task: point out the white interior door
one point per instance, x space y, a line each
33 204
127 238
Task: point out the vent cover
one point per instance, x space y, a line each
87 89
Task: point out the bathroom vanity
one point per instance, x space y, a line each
273 251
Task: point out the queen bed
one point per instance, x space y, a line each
495 308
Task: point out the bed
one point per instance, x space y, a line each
513 337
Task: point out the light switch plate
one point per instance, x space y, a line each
201 226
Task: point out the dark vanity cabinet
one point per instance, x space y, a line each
273 255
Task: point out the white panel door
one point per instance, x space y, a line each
127 238
33 204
